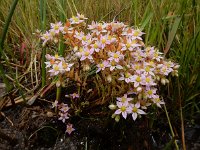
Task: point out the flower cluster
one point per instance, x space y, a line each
53 33
63 111
57 65
121 57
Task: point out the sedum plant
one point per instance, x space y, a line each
124 73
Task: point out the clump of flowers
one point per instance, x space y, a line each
63 112
128 72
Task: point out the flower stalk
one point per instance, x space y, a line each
171 129
61 48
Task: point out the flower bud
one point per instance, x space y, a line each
49 114
48 57
113 115
167 81
44 44
55 40
78 54
109 78
158 78
86 67
175 73
163 81
75 49
139 89
58 83
140 96
117 118
176 66
112 106
159 66
63 84
144 96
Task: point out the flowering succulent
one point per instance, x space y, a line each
129 71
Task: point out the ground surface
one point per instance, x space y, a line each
33 128
37 128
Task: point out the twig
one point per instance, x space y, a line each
19 100
13 64
7 118
18 83
41 99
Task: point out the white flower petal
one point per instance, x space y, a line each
124 114
134 115
119 104
158 104
118 111
141 111
137 105
121 78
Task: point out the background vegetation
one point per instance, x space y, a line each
173 26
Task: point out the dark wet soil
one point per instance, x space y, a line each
37 128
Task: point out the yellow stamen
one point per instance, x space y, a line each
84 38
128 45
147 69
80 49
101 65
116 55
56 56
64 65
134 42
46 37
87 53
148 80
56 68
75 19
136 33
138 79
127 75
157 100
103 41
150 92
95 45
123 108
109 37
134 109
137 67
56 27
123 99
113 63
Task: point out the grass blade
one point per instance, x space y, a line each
2 39
172 34
43 24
